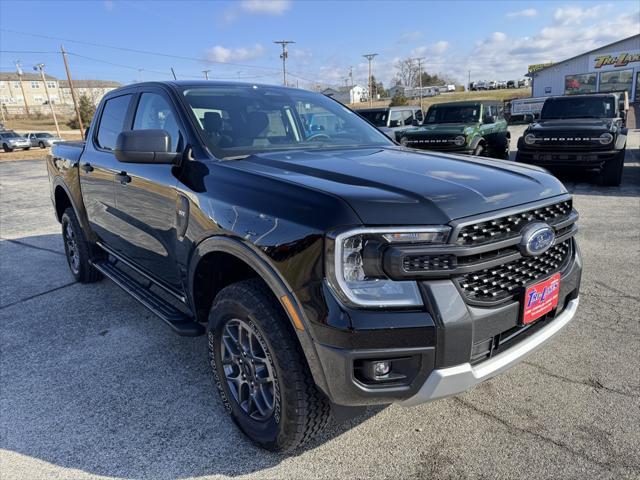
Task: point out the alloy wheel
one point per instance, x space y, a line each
71 247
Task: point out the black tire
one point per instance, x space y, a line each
478 151
41 144
77 249
299 411
27 148
7 148
612 170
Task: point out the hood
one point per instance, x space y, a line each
590 124
440 128
397 186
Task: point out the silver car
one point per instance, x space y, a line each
10 140
43 139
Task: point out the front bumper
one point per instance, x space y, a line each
452 344
568 158
20 144
445 382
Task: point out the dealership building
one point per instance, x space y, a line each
612 68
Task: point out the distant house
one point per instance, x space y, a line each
396 90
345 95
94 90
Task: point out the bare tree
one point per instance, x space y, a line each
406 72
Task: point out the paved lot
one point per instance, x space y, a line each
93 385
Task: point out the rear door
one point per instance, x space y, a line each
146 196
98 166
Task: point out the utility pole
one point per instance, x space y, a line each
24 97
73 92
284 56
351 75
469 82
206 74
370 57
40 66
419 60
174 74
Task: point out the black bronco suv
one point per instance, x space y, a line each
330 269
578 131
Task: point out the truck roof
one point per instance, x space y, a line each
465 103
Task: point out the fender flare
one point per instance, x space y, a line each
276 283
59 182
475 141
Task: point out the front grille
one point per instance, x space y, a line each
569 139
425 263
432 142
510 225
503 281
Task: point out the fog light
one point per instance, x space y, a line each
381 369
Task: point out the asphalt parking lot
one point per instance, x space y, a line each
92 385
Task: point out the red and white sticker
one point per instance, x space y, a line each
540 299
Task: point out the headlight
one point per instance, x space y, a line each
530 139
606 138
460 140
354 265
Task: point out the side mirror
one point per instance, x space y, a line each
415 122
144 146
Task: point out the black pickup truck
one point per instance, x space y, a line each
578 131
330 269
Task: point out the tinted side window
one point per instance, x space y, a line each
112 121
407 117
154 113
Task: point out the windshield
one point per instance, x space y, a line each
237 121
10 134
44 135
453 114
377 117
567 107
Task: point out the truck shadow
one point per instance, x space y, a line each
92 381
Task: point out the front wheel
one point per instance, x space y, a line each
26 148
7 148
612 170
478 151
41 144
260 371
77 249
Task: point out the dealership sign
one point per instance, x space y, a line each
615 61
538 66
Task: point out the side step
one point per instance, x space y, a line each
179 322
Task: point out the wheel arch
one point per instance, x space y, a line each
237 253
62 199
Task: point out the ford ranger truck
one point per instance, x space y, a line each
473 128
330 270
584 132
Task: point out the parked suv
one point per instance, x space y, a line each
392 121
579 131
330 269
11 140
475 128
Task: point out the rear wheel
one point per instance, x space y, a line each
41 144
612 170
260 371
77 249
27 148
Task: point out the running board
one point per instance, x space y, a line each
179 322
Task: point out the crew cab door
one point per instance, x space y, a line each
147 198
98 166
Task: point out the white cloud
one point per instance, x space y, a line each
269 7
240 54
576 15
437 48
527 12
410 37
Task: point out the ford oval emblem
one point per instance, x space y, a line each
537 238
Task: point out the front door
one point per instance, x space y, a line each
98 167
146 197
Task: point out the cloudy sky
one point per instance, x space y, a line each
133 40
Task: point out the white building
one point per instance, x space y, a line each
358 94
614 67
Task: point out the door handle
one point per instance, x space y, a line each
123 178
87 168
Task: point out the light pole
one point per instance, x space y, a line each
40 66
370 57
419 60
284 56
24 97
206 74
